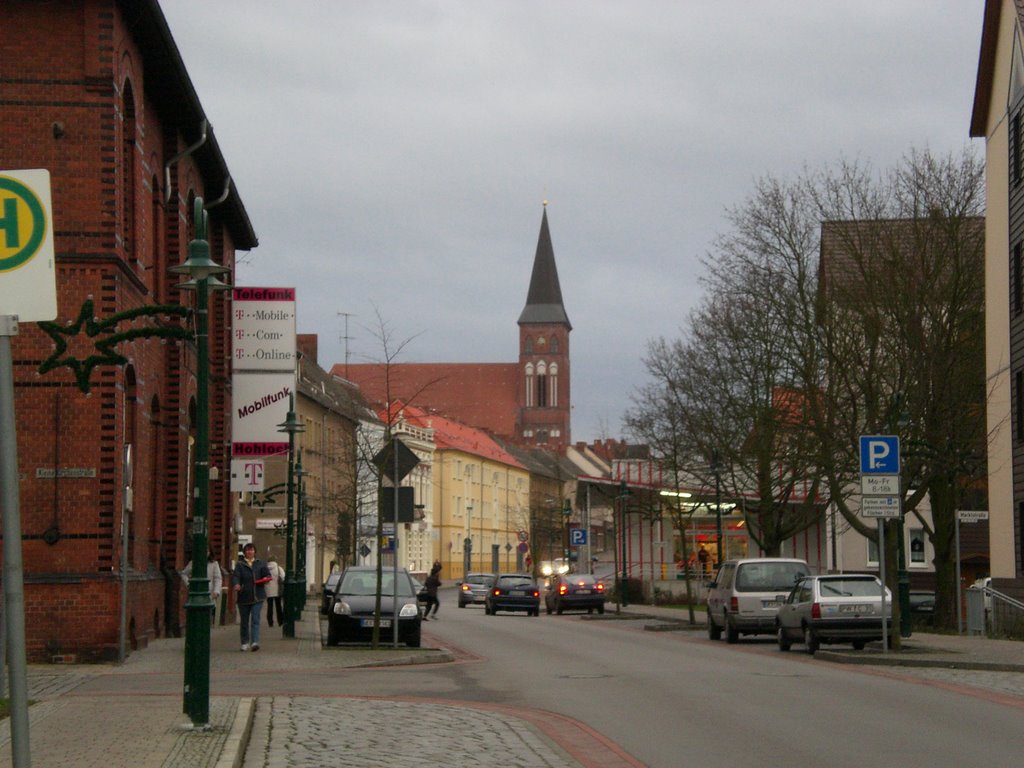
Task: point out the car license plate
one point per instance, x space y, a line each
854 608
582 591
769 603
518 592
369 623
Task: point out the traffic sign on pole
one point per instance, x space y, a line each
880 454
28 274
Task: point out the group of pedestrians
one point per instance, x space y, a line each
254 581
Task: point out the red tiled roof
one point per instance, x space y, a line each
454 435
482 395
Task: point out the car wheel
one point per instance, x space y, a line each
461 604
784 642
536 611
714 631
810 640
600 609
732 634
558 609
413 642
332 634
547 608
590 611
858 645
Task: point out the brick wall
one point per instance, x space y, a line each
74 100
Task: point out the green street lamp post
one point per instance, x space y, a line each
300 539
292 426
718 504
202 270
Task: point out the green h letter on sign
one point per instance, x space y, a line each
9 222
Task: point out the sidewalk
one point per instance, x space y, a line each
922 649
130 716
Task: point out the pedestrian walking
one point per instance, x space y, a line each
431 584
273 590
215 580
249 577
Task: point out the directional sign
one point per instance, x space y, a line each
389 467
28 274
880 506
577 537
880 454
880 485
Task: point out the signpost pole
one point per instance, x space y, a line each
881 571
14 586
959 599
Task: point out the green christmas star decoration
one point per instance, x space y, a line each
111 337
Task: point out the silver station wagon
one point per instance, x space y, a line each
838 608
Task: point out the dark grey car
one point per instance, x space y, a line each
474 588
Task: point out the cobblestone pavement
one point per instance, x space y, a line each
291 732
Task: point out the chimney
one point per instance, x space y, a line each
307 343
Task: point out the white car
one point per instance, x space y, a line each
837 608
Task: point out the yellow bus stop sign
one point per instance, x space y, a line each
28 276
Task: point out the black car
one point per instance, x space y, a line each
574 592
513 592
329 586
351 618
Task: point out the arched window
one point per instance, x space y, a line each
156 240
131 444
529 385
156 441
528 345
554 345
542 385
553 379
128 140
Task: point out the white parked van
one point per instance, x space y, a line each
745 596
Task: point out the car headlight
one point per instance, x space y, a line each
409 609
341 608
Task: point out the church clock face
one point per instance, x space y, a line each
541 341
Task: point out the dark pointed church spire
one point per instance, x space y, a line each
544 299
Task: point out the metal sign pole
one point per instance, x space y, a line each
959 598
881 571
14 586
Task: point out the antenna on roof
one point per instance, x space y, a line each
345 339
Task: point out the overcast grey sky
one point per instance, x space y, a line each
394 156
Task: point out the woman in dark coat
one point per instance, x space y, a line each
432 583
249 577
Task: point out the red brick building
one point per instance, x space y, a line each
96 92
526 402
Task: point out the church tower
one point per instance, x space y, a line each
543 398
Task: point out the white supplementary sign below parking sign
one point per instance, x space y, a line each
880 454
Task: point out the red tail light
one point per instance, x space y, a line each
536 593
495 591
734 604
815 610
600 587
562 589
465 587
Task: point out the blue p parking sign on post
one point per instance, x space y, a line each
880 454
578 537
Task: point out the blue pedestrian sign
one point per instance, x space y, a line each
879 454
578 537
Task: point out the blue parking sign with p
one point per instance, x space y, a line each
577 537
880 454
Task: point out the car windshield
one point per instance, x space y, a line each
766 577
477 578
509 582
840 587
364 583
580 581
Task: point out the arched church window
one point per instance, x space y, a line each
529 385
528 346
542 386
554 345
553 379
